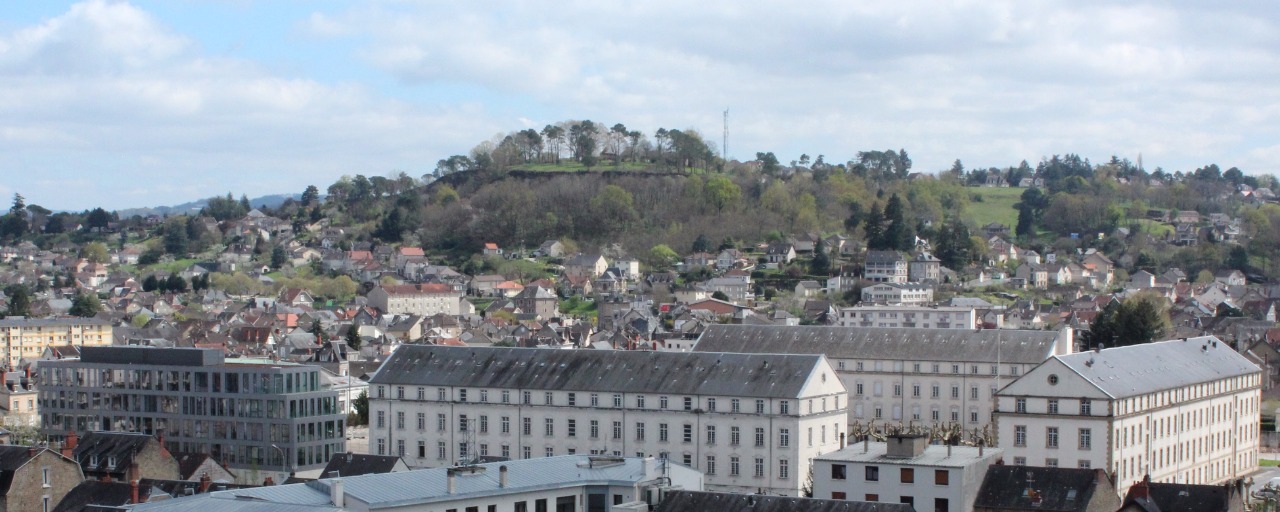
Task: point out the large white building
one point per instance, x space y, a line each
937 317
748 422
898 293
558 483
906 375
417 299
904 469
1184 411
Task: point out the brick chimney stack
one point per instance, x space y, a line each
1141 489
205 481
69 445
133 492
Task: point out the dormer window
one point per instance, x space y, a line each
93 461
111 462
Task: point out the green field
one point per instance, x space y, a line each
996 205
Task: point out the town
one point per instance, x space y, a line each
401 343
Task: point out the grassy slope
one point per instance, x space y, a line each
996 206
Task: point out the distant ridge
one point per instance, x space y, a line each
193 207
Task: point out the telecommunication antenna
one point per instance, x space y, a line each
724 145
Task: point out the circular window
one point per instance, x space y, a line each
1053 379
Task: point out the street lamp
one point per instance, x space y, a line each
284 460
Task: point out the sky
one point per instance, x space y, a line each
147 103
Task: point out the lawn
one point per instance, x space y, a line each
996 205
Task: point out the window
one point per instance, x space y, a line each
838 471
1086 407
442 422
526 397
422 421
442 394
639 431
506 397
735 405
595 400
1051 463
1020 405
955 368
688 460
1020 435
1053 406
784 407
897 389
382 446
908 475
462 423
1084 464
640 402
399 392
1019 461
935 391
573 399
857 389
710 469
784 438
1086 438
973 392
595 429
526 426
400 447
662 432
617 430
688 433
759 406
955 392
838 495
441 450
784 469
941 477
548 398
941 505
422 449
688 403
44 477
734 466
1051 437
505 425
735 436
873 473
759 436
484 395
872 497
382 419
915 391
549 452
484 424
462 395
711 434
759 467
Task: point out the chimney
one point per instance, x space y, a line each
866 442
268 482
69 444
502 477
948 450
452 484
31 451
1142 489
205 481
981 445
133 492
135 471
105 478
842 440
163 450
336 495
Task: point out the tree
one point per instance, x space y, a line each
897 235
768 163
85 305
722 193
1141 318
19 300
719 295
661 257
1238 258
361 405
278 257
175 238
821 263
176 283
701 244
874 227
95 252
150 283
353 337
97 218
310 196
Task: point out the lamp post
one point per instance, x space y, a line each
284 461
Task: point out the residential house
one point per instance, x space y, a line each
898 293
924 268
121 456
885 267
35 478
588 266
356 464
491 249
780 253
538 301
1008 488
423 299
1148 496
549 249
1230 277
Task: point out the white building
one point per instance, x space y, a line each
885 267
904 469
417 299
1183 411
748 422
545 484
903 375
898 293
939 317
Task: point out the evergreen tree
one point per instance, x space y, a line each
353 337
278 257
821 264
85 305
150 284
701 244
897 234
19 300
176 283
875 229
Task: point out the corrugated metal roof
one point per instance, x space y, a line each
958 345
933 455
752 375
1140 369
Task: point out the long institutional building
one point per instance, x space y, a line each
28 337
1183 411
899 375
750 423
248 412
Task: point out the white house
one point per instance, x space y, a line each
1184 411
417 299
904 469
748 422
898 293
939 317
885 267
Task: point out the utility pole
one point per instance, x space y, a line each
724 144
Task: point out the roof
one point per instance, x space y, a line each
414 289
1005 345
697 501
421 486
1041 488
13 457
355 464
753 375
1171 497
105 445
885 257
20 321
1149 367
934 455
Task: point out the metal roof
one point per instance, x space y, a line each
1149 367
423 486
694 501
752 375
894 344
934 455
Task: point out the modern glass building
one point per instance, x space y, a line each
250 413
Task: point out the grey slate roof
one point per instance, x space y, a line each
1168 497
697 501
1015 346
1057 489
761 375
1150 367
355 464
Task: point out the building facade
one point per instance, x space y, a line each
929 376
26 338
252 413
937 317
35 478
417 299
886 267
1183 411
904 469
898 293
748 422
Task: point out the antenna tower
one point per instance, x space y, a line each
724 145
